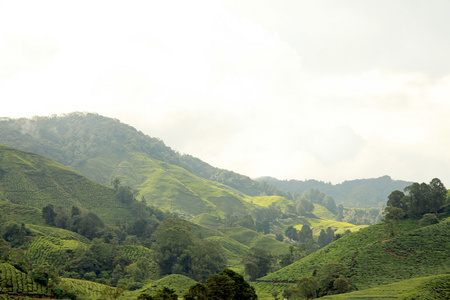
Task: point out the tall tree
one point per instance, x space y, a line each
173 239
257 262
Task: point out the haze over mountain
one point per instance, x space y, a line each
351 193
66 225
321 90
102 148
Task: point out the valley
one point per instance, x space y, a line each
94 209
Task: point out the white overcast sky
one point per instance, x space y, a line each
327 90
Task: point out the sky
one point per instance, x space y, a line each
326 90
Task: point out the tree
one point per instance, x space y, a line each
225 285
279 236
116 183
438 195
305 235
307 287
392 214
330 234
396 199
242 289
291 233
327 275
314 195
48 213
330 204
197 291
220 287
207 259
173 241
257 262
46 275
341 284
323 239
305 207
428 219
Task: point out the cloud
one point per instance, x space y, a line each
19 53
303 89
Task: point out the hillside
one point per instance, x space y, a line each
96 146
351 193
28 179
372 258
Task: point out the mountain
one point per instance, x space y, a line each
97 147
351 193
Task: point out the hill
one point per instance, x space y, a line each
351 193
31 180
95 146
430 287
371 258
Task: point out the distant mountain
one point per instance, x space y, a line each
98 147
352 193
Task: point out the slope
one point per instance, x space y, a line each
103 149
374 260
28 179
94 146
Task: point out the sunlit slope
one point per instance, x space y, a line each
252 239
373 260
33 180
172 188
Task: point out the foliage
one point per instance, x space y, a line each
420 198
258 262
428 219
13 281
225 285
374 260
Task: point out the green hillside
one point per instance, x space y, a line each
32 180
372 259
172 188
252 239
15 282
430 287
95 146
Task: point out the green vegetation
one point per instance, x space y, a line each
375 258
431 287
163 228
13 282
97 147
